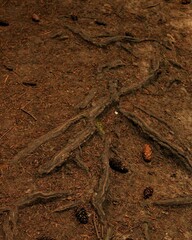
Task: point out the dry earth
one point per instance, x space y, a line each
48 66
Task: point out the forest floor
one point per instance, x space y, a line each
95 110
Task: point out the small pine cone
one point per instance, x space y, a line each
117 165
148 192
82 216
147 153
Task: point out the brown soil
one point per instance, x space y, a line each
52 58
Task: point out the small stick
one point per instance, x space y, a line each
6 79
155 136
109 234
96 228
31 115
40 197
102 231
174 202
153 5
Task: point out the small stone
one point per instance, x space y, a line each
35 18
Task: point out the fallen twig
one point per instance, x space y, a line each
62 155
153 5
31 115
109 234
96 228
155 136
40 197
99 196
174 202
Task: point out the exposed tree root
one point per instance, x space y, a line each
100 195
111 39
10 220
86 101
175 202
67 207
62 155
90 114
48 136
77 160
153 116
109 66
176 65
113 89
40 197
155 136
150 80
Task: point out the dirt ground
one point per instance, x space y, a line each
84 82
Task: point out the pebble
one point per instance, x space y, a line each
35 18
